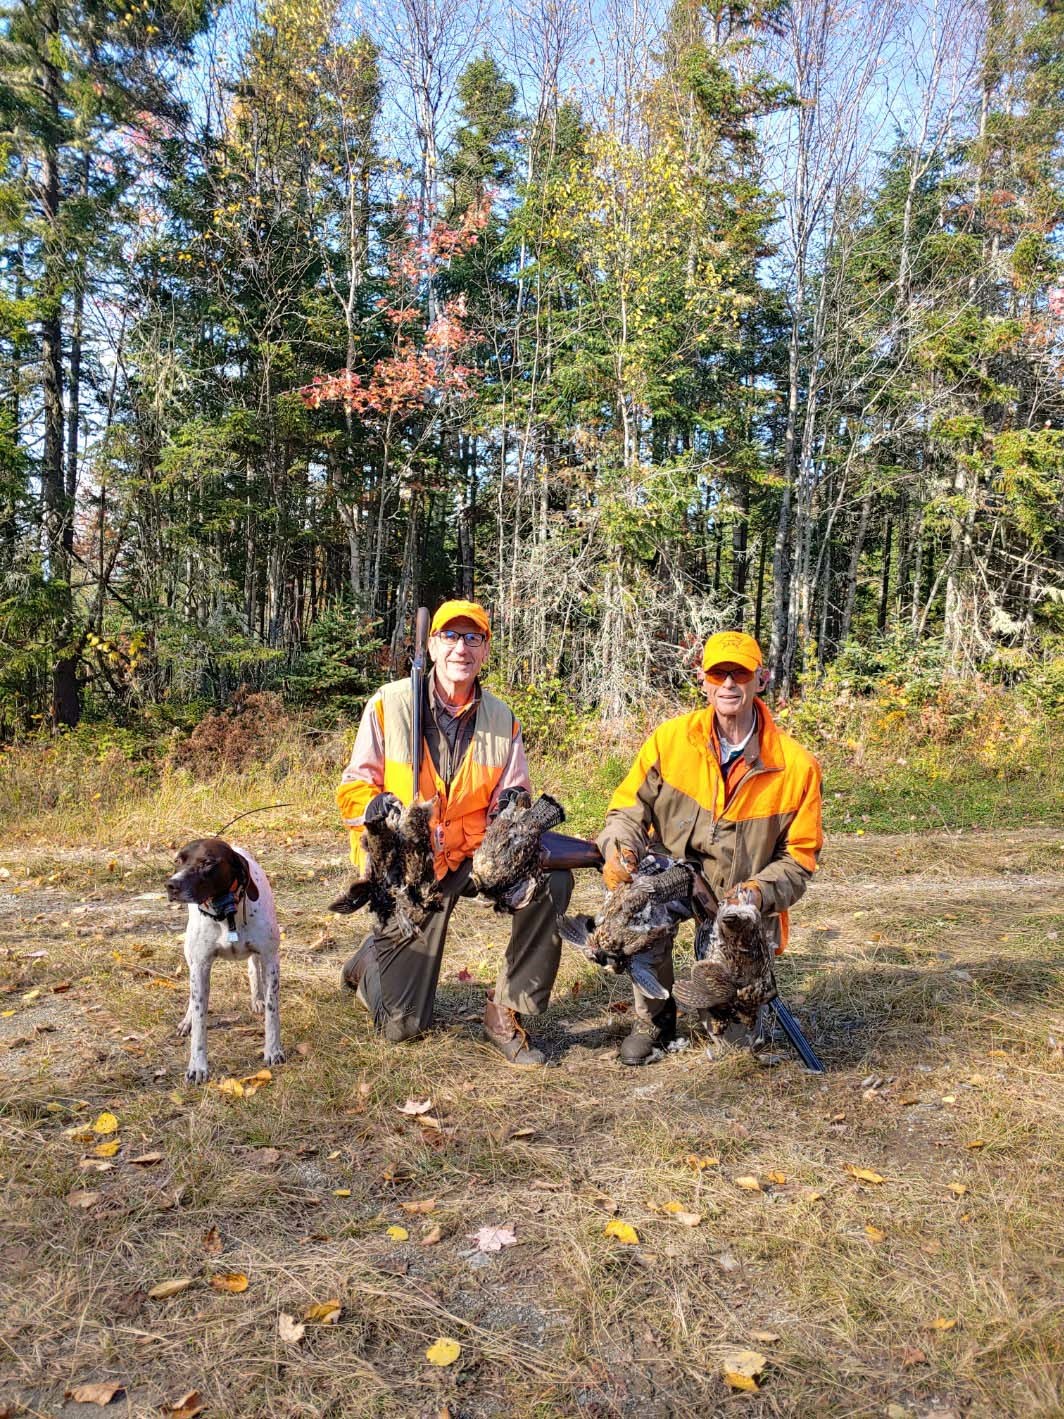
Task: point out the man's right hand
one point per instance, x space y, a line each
619 868
379 807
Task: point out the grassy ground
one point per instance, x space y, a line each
926 967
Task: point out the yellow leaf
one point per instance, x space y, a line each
748 1183
106 1123
398 1234
976 1143
324 1312
108 1149
233 1087
165 1289
672 1207
700 1162
623 1231
735 1380
940 1323
6 1014
776 1177
874 1233
232 1281
432 1237
958 1189
863 1174
443 1351
341 1192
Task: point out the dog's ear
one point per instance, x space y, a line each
244 877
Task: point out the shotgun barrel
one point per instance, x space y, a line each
417 677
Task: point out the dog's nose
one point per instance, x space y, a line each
173 886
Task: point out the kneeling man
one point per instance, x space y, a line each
725 789
472 762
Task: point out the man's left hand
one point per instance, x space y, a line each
745 894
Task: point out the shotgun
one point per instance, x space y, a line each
417 678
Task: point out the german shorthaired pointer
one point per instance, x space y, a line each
230 913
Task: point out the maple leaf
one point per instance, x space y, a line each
493 1238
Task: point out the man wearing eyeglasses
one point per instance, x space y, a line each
472 763
726 789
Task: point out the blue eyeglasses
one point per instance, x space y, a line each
473 639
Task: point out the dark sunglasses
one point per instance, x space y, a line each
717 676
473 639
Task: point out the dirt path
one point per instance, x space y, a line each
928 971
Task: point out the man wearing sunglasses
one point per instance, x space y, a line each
472 763
725 789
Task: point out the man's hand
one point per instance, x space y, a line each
379 807
745 894
619 868
509 796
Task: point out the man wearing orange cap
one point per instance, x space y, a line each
723 788
472 763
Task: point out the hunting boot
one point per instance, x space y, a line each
649 1037
503 1029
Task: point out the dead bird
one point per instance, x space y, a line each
400 883
508 864
733 977
637 920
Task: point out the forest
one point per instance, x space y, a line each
633 321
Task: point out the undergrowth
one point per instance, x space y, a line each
897 757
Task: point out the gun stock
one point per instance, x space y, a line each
563 853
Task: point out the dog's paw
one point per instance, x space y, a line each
276 1056
185 1027
258 1007
196 1075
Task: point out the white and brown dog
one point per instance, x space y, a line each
231 913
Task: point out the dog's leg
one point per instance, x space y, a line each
273 1053
199 998
258 997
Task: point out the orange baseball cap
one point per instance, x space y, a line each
732 648
456 610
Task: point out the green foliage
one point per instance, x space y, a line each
340 663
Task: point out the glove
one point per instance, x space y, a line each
619 868
379 807
746 894
508 797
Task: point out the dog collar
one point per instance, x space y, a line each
225 908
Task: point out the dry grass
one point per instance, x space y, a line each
929 975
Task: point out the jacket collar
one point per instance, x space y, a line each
768 755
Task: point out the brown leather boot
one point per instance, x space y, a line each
503 1029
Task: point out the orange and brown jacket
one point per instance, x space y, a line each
766 830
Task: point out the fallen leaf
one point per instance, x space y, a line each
811 1195
108 1149
426 1205
106 1123
79 1198
427 1121
289 1329
341 1192
875 1234
689 1219
463 974
260 1077
748 1183
776 1177
323 1312
976 1143
493 1238
623 1231
232 1087
766 1337
231 1281
740 1368
734 1380
863 1174
413 1108
146 1160
672 1207
166 1289
187 1407
940 1323
957 1189
912 1355
100 1394
212 1242
700 1161
727 1261
431 1238
897 1411
443 1351
398 1234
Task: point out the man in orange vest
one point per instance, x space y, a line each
472 762
725 788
